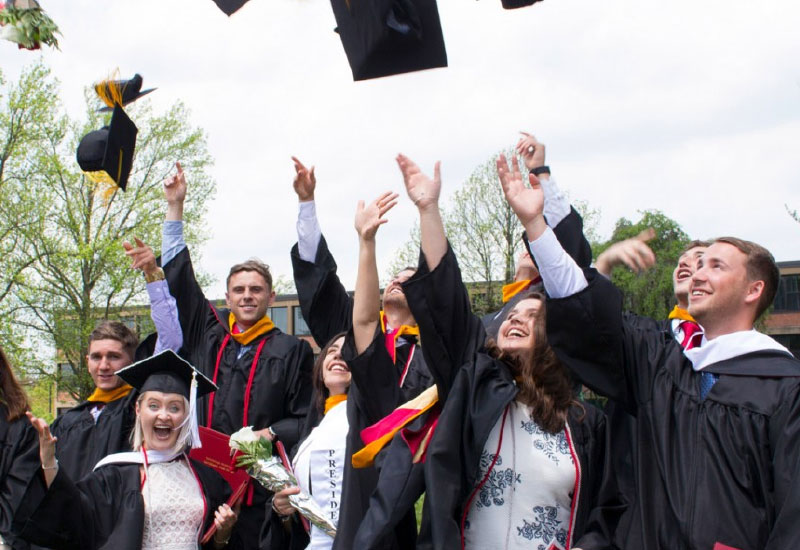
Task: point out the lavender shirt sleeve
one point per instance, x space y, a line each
164 312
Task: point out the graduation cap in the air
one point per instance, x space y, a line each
230 6
167 372
386 37
120 92
106 155
514 4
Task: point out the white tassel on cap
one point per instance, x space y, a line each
195 431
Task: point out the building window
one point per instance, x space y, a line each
65 369
300 325
280 317
788 296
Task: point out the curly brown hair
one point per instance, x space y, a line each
545 384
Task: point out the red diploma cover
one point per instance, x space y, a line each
216 453
720 546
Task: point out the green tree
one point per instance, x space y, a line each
649 293
76 272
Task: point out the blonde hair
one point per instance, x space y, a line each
184 436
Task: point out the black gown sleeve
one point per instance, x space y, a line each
374 385
326 305
195 313
19 463
784 438
299 364
450 333
611 355
83 515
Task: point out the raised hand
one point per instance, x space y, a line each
369 218
531 151
526 202
142 256
423 191
304 181
175 186
47 447
632 252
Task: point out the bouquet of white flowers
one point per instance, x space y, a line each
256 456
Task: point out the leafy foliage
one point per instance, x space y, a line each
62 263
649 293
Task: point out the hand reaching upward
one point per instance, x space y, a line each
369 218
175 186
423 191
526 202
304 181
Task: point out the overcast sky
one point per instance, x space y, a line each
685 106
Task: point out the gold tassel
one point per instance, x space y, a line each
109 90
104 185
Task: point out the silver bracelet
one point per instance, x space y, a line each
50 467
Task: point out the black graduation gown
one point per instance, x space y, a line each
723 469
19 463
281 385
103 511
374 391
475 389
569 233
82 442
328 310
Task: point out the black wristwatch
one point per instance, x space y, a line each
541 170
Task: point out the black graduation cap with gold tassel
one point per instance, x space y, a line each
106 155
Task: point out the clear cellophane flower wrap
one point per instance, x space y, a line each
256 456
26 24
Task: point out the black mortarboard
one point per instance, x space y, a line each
386 37
120 92
106 155
166 372
230 6
514 4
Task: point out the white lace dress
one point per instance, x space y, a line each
173 507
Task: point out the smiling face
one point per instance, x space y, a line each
393 295
516 334
248 297
682 275
105 358
335 372
160 415
721 293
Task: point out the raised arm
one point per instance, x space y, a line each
163 309
424 193
449 332
308 230
367 298
195 314
326 305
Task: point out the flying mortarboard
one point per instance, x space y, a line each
514 4
120 92
106 155
386 37
230 6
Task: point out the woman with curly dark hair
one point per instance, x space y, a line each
516 461
19 452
